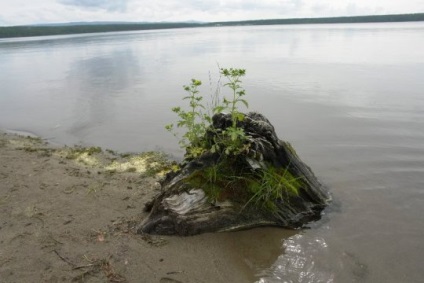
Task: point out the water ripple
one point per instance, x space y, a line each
299 262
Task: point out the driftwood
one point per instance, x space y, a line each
184 209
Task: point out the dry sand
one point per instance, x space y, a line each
65 216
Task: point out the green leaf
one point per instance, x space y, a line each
239 116
218 109
241 92
195 82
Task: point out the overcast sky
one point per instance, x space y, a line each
19 12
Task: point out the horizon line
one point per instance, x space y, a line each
82 23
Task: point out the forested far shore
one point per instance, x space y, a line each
61 29
25 31
332 20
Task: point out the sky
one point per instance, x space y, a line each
24 12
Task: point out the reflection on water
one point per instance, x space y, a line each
99 81
310 260
348 97
301 262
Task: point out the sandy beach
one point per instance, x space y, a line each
69 215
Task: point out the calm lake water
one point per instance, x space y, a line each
350 99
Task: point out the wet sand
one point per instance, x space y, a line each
65 218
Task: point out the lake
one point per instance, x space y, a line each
348 97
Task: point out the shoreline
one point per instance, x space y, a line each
69 213
99 27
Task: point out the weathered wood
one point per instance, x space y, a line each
185 210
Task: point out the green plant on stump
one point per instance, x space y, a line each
273 184
221 181
233 139
224 179
194 120
212 180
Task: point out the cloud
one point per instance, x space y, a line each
244 5
108 5
213 10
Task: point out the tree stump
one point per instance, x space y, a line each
186 208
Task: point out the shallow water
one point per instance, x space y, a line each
348 97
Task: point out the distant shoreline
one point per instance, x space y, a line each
81 28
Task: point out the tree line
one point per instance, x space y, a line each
24 31
332 20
